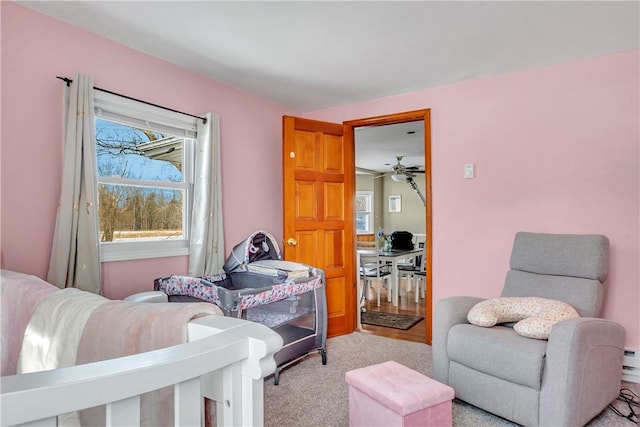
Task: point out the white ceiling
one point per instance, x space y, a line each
378 146
308 55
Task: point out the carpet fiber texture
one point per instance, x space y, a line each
390 320
310 394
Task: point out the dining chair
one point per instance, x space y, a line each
403 266
372 269
408 269
420 280
419 238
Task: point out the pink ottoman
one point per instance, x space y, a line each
390 394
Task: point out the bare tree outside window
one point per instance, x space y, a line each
140 180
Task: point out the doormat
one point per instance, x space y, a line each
390 320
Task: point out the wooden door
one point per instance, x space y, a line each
318 218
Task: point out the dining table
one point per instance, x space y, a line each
392 257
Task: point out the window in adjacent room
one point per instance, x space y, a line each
364 212
145 161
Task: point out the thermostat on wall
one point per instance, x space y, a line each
469 170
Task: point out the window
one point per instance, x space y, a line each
364 212
145 160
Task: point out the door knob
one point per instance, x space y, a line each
292 241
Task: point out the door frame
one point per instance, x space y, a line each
389 119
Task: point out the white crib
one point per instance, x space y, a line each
225 360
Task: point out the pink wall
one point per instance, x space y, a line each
556 150
36 49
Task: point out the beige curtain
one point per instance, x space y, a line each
75 256
206 242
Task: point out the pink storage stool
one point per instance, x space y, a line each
390 394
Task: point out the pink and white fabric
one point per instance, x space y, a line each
17 309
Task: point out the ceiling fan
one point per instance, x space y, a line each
400 172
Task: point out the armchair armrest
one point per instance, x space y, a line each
448 313
583 370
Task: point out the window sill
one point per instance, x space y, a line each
142 250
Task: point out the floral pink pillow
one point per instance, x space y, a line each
535 316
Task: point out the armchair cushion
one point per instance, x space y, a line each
535 316
498 352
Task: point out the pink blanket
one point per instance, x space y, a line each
113 329
60 317
122 328
21 293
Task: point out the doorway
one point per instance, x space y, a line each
406 305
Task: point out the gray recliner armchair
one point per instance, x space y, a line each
563 381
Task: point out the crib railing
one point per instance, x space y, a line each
225 360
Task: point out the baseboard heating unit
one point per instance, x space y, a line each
631 365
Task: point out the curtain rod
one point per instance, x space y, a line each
68 81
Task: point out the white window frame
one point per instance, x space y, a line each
368 195
125 111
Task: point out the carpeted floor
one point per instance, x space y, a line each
310 394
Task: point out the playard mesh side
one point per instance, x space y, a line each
208 289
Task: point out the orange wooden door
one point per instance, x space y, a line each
318 225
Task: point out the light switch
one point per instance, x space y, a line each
469 170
